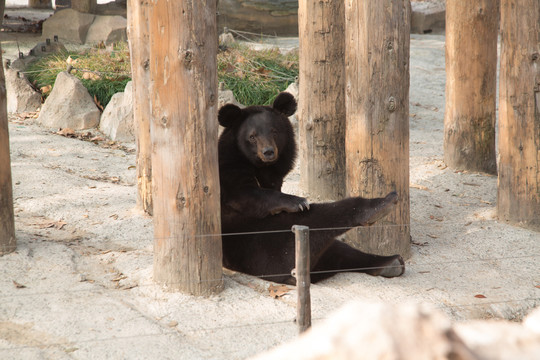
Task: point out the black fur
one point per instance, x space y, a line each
256 151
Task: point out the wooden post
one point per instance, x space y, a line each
471 85
377 100
139 46
84 6
518 197
40 4
8 242
303 280
184 130
321 114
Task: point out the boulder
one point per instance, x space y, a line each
69 25
109 29
21 96
47 47
500 340
69 105
365 331
428 17
117 118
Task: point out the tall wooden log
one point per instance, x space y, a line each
40 4
84 6
184 130
518 197
471 85
8 242
377 102
321 114
139 46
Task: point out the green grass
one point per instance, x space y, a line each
255 77
110 69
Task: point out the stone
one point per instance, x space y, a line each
532 321
117 118
500 340
428 17
363 331
69 25
20 95
44 49
69 105
226 96
226 39
107 29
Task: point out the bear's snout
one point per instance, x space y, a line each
269 154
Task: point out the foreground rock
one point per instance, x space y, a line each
365 331
69 105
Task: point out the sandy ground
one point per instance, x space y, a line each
80 284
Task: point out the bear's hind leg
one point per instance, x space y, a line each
340 257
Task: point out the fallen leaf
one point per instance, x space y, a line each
67 132
173 323
537 286
132 167
114 216
420 187
479 296
432 236
277 291
45 89
17 285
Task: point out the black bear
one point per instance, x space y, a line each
256 151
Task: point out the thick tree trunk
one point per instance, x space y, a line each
321 112
84 6
40 4
518 198
139 45
8 242
471 85
377 100
184 129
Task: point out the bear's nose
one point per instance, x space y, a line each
268 152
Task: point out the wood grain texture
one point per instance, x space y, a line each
139 46
8 241
321 113
518 197
184 129
471 85
377 103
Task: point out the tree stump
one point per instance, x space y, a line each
321 113
377 99
471 85
184 130
518 196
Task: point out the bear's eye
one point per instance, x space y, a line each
252 138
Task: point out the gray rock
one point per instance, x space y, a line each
428 17
361 331
117 118
44 49
21 96
69 105
109 29
69 25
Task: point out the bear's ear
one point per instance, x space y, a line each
285 103
229 114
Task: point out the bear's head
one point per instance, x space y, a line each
261 132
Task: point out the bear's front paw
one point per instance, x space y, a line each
291 204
